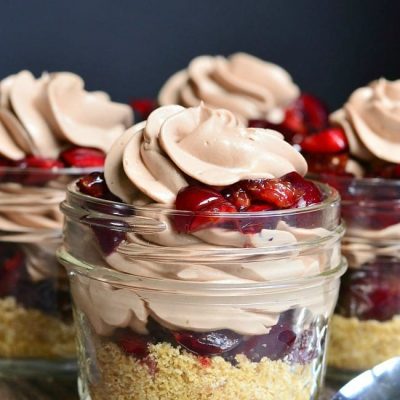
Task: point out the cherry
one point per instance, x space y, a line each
315 112
277 192
371 291
12 262
199 199
208 343
82 157
133 344
309 192
305 115
330 140
237 196
143 107
95 185
42 163
328 163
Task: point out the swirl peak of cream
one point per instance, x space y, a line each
244 84
371 120
155 157
40 116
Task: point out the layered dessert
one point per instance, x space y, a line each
202 264
51 131
358 154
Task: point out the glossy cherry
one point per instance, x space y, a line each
82 157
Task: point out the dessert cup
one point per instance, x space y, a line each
201 321
366 324
36 327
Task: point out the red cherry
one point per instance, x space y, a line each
237 196
199 199
94 185
328 163
134 345
315 112
42 163
83 157
277 192
308 192
143 107
331 140
208 343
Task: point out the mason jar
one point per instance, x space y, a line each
366 324
240 310
36 327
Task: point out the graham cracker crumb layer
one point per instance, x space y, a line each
357 345
28 333
170 373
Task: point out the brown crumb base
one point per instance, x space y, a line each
33 334
172 373
358 345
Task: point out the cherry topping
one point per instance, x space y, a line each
330 140
307 191
238 197
42 163
143 107
305 115
82 157
199 199
277 192
95 185
208 343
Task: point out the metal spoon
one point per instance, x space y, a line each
379 383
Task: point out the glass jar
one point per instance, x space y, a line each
237 309
366 324
36 328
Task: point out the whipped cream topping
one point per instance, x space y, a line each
41 116
244 84
371 120
212 146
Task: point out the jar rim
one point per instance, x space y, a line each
73 171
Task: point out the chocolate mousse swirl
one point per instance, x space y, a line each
156 157
371 120
249 87
42 116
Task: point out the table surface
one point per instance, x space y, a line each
56 389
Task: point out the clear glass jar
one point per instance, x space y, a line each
236 310
366 324
36 327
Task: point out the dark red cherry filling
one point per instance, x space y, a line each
284 341
15 281
371 291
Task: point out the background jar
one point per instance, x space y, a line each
366 325
36 328
212 315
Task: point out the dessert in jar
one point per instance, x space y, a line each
51 132
359 155
202 264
